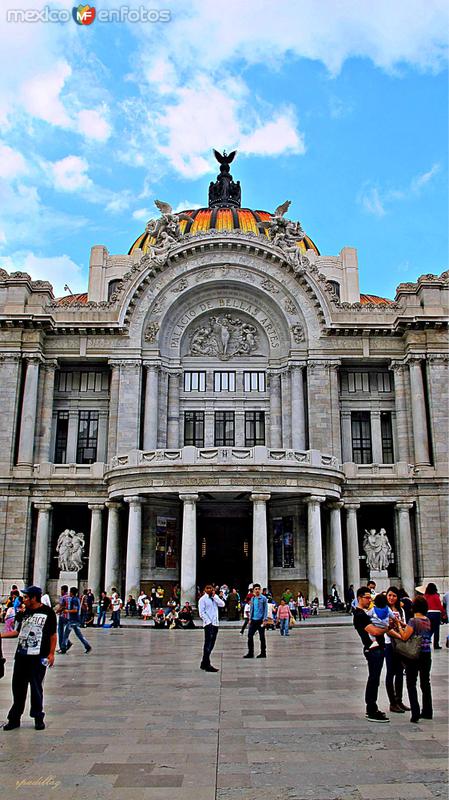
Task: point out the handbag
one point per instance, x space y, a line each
410 649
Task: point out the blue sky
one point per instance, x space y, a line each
339 106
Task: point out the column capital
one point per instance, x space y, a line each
414 359
438 358
96 506
134 500
43 506
336 505
189 498
297 365
397 366
260 497
50 364
351 505
315 499
112 504
404 506
33 358
151 366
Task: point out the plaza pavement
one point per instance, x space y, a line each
137 720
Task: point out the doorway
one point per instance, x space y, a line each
225 552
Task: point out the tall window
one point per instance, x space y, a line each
224 381
254 381
387 437
384 381
86 452
358 382
336 287
62 429
64 381
194 381
224 429
194 428
283 550
361 437
91 381
254 428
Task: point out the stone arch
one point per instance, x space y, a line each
154 295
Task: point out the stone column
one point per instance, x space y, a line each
334 367
128 420
346 437
336 548
400 402
188 548
376 438
298 408
10 366
151 407
28 416
113 409
405 547
286 398
173 411
260 538
95 549
419 415
40 568
352 545
46 412
134 547
315 549
111 573
275 410
438 403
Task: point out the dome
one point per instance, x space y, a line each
223 219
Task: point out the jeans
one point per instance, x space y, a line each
116 619
210 636
76 628
101 618
375 660
62 624
394 680
435 622
256 625
283 624
421 666
28 670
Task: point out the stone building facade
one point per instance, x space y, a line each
222 406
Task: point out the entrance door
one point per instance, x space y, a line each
225 552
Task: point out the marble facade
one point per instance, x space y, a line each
223 302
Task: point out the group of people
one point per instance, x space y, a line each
382 620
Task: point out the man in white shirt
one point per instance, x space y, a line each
208 610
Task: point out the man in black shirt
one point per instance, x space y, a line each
373 650
36 629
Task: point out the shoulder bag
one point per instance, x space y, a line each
410 649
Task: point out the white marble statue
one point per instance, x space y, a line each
379 553
70 547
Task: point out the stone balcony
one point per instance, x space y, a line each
225 470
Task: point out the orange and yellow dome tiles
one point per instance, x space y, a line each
223 219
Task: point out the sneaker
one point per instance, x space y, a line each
262 655
248 655
210 668
414 719
87 650
378 716
10 726
437 647
426 716
402 705
69 644
39 725
395 708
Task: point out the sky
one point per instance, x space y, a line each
339 106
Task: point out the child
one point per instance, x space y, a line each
270 623
146 610
246 613
380 615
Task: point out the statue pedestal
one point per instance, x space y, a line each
68 579
381 578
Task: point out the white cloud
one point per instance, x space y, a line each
421 180
70 174
186 205
371 201
41 95
275 137
376 201
92 124
12 163
143 213
59 270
